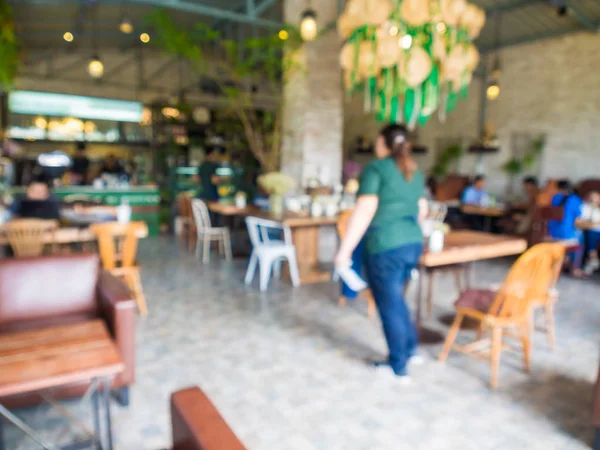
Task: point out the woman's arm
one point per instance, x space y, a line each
363 214
423 209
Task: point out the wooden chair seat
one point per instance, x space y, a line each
476 299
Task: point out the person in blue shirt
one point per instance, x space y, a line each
565 228
475 194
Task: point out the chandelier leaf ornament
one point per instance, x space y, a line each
409 58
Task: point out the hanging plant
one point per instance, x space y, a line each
516 166
9 50
450 154
409 58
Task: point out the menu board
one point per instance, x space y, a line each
63 105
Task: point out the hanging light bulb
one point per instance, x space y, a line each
493 91
283 35
40 122
308 25
95 67
145 38
68 36
405 41
126 26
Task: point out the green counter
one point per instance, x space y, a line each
144 200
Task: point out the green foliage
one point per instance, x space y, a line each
232 66
9 50
516 166
445 159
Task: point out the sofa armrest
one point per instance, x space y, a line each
118 309
197 425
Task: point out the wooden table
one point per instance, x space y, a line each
305 235
488 213
39 360
587 225
464 247
71 235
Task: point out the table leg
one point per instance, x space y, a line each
96 415
306 241
426 335
106 396
2 447
5 414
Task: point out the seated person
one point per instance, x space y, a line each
565 229
475 194
531 190
590 211
38 203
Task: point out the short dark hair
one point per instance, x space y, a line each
564 185
478 178
40 179
530 180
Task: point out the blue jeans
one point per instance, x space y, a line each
388 273
358 259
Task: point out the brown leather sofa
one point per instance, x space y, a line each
56 290
197 425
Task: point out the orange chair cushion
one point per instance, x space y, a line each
477 299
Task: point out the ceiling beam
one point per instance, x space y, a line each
574 10
180 5
509 6
531 38
265 5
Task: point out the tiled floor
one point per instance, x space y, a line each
286 369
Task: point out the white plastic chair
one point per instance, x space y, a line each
268 253
207 233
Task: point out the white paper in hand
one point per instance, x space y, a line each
353 280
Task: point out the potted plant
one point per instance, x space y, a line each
276 184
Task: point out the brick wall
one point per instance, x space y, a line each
313 101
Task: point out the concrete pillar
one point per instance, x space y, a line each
313 100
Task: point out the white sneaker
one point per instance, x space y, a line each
416 360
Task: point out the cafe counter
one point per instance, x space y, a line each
144 200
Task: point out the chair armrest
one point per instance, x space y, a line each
118 309
197 425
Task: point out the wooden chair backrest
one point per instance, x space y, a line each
184 202
28 237
539 222
342 223
530 278
201 214
117 243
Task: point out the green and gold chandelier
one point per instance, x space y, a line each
409 57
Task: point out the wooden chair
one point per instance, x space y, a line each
506 312
187 238
547 303
207 233
118 250
29 237
342 226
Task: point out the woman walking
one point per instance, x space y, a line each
387 211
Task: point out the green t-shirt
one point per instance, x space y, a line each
207 170
396 221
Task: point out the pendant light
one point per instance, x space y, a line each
96 67
125 26
308 24
493 90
